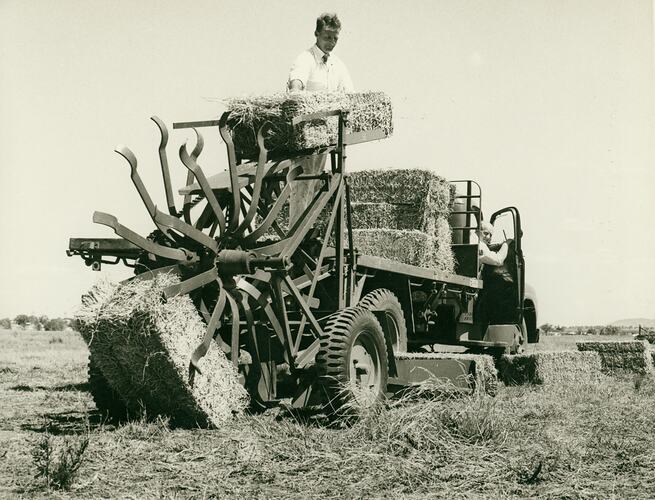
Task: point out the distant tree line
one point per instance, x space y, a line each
550 329
29 321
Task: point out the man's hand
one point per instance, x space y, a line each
295 85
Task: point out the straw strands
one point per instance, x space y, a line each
143 346
402 215
367 111
409 247
627 356
548 367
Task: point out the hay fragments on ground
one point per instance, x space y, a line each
482 377
541 368
367 111
143 346
621 356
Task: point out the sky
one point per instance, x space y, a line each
547 104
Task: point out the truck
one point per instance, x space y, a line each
320 321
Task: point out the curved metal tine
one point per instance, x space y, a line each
190 163
203 347
163 160
191 284
234 347
250 321
317 271
186 229
187 205
277 206
262 299
234 174
126 153
149 246
259 178
303 225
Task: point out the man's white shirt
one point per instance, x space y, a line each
490 258
317 75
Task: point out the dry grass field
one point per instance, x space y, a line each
586 439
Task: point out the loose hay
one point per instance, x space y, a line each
484 376
548 367
409 247
628 356
143 346
367 111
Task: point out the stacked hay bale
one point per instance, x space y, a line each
366 111
143 346
482 376
403 215
548 367
621 356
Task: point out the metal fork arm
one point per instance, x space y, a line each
163 160
186 230
149 246
190 163
140 187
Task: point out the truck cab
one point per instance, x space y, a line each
504 311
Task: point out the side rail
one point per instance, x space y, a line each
98 251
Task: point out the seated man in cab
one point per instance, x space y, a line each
498 299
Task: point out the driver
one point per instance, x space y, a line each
498 298
486 256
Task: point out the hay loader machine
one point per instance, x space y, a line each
319 320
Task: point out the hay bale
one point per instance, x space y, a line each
647 336
548 367
429 193
409 247
367 111
621 356
143 346
483 374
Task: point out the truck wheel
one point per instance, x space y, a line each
352 360
385 300
522 341
107 400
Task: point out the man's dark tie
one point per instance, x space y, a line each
325 58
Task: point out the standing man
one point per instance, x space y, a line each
316 70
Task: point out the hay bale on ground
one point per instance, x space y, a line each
548 367
483 374
648 337
143 346
621 356
367 111
409 247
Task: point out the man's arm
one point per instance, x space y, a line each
492 258
299 73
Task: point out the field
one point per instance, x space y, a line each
588 439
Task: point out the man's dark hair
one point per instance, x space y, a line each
327 20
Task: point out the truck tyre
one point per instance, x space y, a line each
522 341
352 361
107 400
385 300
